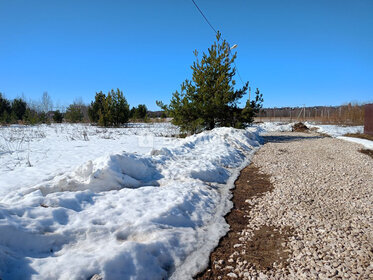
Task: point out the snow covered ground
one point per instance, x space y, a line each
274 126
336 131
128 203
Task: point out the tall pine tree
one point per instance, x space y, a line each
210 98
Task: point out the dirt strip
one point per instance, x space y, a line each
265 246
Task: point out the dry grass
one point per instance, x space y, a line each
264 248
360 135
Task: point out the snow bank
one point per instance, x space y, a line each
365 142
336 130
125 216
274 126
339 132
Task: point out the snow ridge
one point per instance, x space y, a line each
126 216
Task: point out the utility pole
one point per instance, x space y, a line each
249 94
304 112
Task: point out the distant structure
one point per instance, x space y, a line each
368 119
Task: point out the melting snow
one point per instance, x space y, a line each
127 203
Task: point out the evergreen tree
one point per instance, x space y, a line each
74 113
106 114
210 98
119 108
18 109
58 116
5 109
42 117
113 109
133 113
139 113
31 116
96 107
142 111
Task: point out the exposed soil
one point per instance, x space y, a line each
360 135
367 152
300 127
264 248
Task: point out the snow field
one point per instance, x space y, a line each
124 208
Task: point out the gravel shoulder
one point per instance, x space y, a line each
317 213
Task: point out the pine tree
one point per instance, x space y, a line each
19 108
110 110
31 116
96 107
58 116
74 113
210 98
139 113
119 108
5 109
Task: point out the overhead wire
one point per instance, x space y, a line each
208 22
195 4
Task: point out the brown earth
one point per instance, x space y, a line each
367 152
264 248
300 127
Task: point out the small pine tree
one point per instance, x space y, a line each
139 113
96 107
119 108
5 109
142 111
210 98
42 117
112 110
74 114
31 116
18 108
58 116
105 113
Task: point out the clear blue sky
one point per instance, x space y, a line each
313 52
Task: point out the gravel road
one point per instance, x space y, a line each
322 197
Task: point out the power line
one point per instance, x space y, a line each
204 16
238 73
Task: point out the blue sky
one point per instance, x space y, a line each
296 52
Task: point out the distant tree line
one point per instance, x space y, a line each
20 111
111 109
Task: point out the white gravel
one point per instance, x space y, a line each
323 190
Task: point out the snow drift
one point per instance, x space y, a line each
126 216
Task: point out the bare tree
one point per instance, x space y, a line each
46 103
